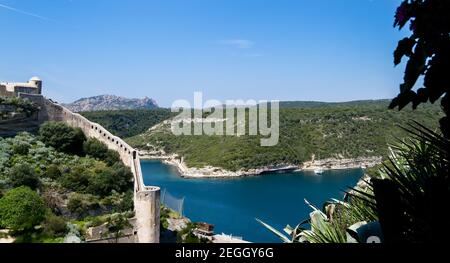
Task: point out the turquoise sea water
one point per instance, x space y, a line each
233 204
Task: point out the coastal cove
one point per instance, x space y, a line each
233 204
217 172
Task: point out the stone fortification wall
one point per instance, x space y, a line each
146 198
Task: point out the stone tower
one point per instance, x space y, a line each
37 82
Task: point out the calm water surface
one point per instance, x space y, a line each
233 204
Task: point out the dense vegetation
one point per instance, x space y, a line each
16 105
127 123
21 209
44 183
355 129
62 137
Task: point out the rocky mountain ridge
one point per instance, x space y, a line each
110 102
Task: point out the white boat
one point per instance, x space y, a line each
318 171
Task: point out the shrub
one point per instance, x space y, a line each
62 137
21 148
54 226
186 235
101 183
23 175
99 150
126 203
53 172
116 178
95 148
112 157
122 177
77 179
81 204
21 105
75 204
21 209
116 224
52 198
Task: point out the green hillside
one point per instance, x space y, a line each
58 183
353 129
319 104
127 123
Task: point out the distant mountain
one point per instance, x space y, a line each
110 102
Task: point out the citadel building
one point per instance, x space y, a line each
33 86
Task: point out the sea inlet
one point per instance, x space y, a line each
232 205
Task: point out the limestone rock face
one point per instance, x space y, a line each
110 102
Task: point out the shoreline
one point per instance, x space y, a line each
216 172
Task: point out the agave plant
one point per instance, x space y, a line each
409 203
327 226
404 205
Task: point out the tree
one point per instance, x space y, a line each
126 202
62 137
122 177
117 178
101 183
95 148
21 209
116 224
23 175
77 179
99 150
428 52
112 157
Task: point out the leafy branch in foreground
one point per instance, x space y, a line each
428 54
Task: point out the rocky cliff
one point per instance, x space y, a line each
110 102
218 172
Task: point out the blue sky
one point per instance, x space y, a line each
325 50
